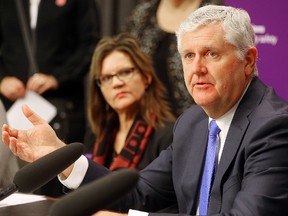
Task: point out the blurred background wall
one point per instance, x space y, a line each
268 19
114 13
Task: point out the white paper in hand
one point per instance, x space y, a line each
37 103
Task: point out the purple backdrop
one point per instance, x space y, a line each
269 19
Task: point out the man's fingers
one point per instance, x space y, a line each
5 127
13 146
7 133
5 137
32 116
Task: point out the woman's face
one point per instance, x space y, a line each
123 92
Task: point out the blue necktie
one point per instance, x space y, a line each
209 169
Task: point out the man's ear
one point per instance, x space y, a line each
251 59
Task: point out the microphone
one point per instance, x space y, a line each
34 175
96 195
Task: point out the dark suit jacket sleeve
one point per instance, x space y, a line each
94 172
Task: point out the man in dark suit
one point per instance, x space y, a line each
217 48
63 35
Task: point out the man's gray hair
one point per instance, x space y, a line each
235 22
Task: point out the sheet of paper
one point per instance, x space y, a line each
37 103
20 198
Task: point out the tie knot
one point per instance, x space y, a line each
214 129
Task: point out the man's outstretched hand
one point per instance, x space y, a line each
30 145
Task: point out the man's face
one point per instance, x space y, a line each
213 74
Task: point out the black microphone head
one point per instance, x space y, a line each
36 174
96 195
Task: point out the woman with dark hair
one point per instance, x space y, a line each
127 106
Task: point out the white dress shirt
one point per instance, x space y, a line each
34 4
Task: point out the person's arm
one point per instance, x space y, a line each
73 179
30 145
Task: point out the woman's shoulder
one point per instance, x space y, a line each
165 132
166 125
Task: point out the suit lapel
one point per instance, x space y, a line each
232 144
233 141
192 169
239 124
196 162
